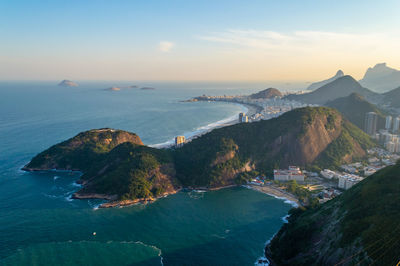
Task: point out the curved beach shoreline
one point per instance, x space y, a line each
246 108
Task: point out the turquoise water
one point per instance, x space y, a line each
41 225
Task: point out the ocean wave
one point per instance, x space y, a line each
285 200
202 129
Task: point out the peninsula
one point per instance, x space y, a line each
118 167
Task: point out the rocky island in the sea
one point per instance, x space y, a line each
118 167
147 88
67 83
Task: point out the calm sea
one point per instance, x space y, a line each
41 225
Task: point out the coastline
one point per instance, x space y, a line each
277 193
249 109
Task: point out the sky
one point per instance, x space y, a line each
216 40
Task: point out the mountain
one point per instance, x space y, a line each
354 107
79 152
116 165
307 137
381 78
319 84
67 83
392 98
340 87
359 227
266 94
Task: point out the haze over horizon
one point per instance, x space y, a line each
208 40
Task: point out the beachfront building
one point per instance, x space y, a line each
179 141
241 115
243 118
293 173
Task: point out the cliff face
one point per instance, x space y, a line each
79 152
304 137
360 227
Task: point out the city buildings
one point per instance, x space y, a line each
371 121
241 115
346 181
396 124
293 173
243 118
179 141
388 124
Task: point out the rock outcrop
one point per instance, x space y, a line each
68 83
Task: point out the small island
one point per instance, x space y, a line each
147 88
113 89
67 83
118 88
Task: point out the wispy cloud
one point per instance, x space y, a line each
165 46
309 42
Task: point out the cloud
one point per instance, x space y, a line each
165 46
305 42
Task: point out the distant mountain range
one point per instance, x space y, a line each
381 78
340 87
319 84
359 227
354 107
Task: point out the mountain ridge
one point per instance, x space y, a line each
340 87
319 84
381 78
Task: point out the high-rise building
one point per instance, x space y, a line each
179 141
396 124
241 115
388 123
371 121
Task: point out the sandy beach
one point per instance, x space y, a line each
276 192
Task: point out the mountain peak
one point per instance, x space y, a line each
381 78
339 73
319 84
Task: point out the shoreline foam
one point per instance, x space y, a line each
231 120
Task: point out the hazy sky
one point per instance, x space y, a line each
196 39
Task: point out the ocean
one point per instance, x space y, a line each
41 225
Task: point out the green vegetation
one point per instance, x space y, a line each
333 155
362 223
132 171
79 152
116 163
354 107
